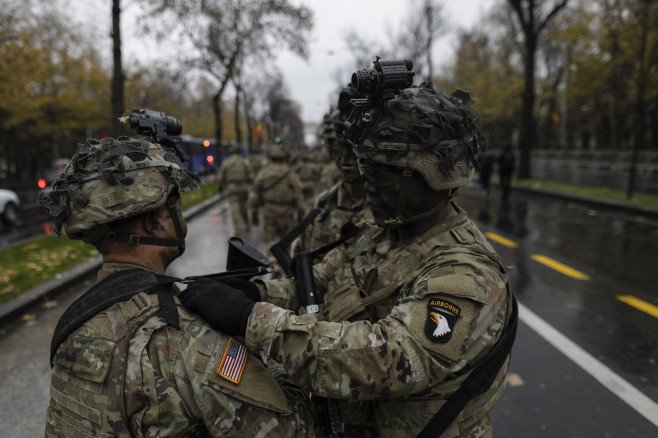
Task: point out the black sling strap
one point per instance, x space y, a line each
118 287
477 383
276 181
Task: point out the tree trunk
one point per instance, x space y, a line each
217 111
117 78
527 135
238 133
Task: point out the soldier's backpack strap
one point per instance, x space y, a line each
479 382
118 287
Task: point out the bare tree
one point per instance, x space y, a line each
117 77
217 35
533 16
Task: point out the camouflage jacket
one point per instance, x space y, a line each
235 174
170 382
340 208
405 325
276 184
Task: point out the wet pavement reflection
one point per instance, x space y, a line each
618 252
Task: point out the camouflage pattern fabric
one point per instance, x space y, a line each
169 381
340 209
402 327
234 176
279 203
256 163
329 176
309 175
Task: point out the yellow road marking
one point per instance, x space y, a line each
500 239
639 304
564 269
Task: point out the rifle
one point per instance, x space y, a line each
243 260
328 413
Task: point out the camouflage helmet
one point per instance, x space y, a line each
276 152
113 179
433 133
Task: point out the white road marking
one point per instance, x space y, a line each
608 378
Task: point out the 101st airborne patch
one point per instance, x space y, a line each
441 318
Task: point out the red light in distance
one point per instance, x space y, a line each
42 183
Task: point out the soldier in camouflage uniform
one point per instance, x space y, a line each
342 203
308 173
234 177
409 309
127 358
277 192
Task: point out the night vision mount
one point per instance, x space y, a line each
163 129
371 88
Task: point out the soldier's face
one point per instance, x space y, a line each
345 160
384 188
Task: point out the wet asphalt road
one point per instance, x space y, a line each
549 395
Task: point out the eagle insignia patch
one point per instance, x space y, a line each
441 318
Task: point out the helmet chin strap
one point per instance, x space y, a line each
134 240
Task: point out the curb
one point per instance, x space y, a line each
609 205
20 305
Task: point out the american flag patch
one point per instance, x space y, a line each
233 362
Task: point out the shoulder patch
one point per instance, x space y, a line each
441 318
233 362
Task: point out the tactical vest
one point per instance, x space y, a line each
87 386
277 190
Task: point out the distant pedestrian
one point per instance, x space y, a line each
486 161
506 165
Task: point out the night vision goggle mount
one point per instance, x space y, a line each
163 129
369 89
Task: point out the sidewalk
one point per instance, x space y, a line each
34 297
15 308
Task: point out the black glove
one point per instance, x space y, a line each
226 309
247 287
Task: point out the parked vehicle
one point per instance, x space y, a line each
9 204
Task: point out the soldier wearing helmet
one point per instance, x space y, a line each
277 193
234 177
417 314
343 202
127 359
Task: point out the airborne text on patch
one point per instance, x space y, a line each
441 318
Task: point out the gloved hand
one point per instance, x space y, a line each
226 309
254 218
247 287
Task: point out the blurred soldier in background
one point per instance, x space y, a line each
308 172
234 178
344 202
329 175
127 359
418 314
256 162
277 191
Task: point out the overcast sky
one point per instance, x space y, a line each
312 83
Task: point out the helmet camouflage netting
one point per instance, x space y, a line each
113 179
432 132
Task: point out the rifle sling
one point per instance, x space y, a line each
479 382
276 181
118 287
